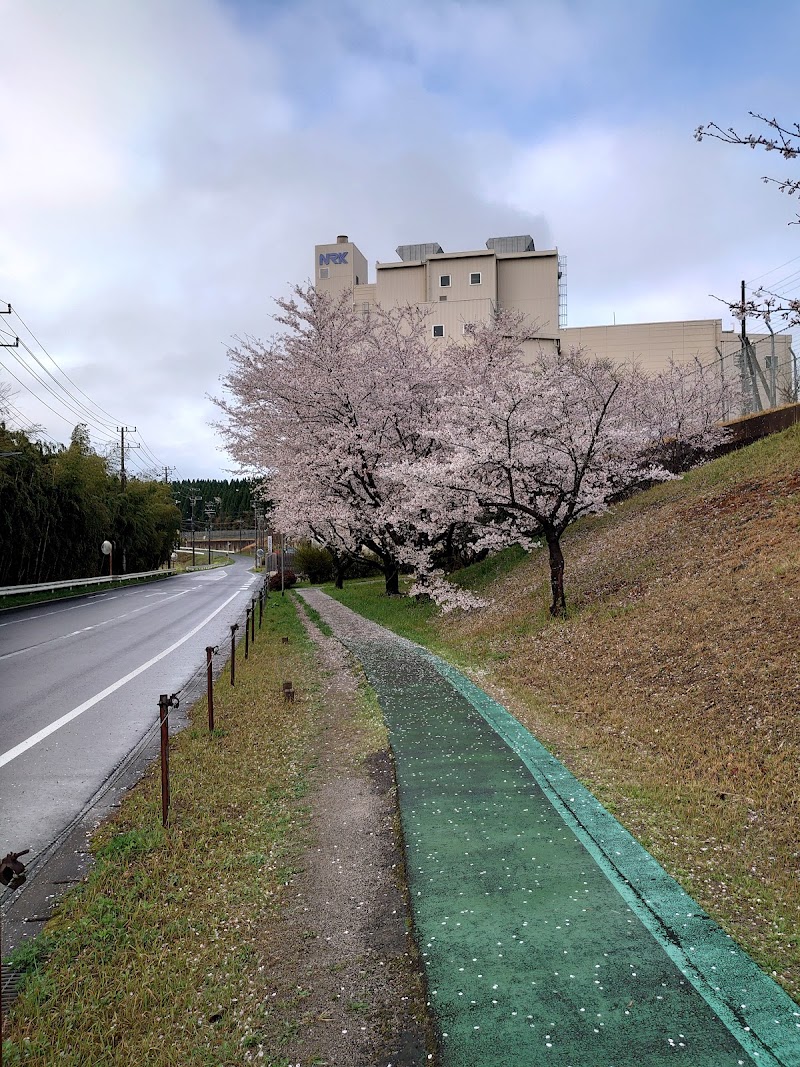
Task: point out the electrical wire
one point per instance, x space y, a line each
98 407
774 269
96 417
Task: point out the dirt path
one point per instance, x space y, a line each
348 987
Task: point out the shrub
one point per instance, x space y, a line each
315 562
289 579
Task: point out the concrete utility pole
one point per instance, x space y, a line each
122 430
210 511
193 499
123 479
167 472
9 344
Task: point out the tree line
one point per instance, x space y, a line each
58 504
370 437
231 498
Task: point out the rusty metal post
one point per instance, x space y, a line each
246 632
253 620
234 628
163 715
210 686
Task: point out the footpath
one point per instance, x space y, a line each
548 934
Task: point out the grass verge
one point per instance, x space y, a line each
671 687
22 600
157 958
313 615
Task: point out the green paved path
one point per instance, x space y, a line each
549 935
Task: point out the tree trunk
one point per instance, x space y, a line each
559 605
340 569
391 574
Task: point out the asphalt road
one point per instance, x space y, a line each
80 682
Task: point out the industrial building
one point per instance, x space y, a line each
459 288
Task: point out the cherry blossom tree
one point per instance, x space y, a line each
373 438
531 447
685 404
331 409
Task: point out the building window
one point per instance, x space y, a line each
356 279
443 298
438 331
444 281
475 278
324 272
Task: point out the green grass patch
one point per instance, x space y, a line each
405 615
314 615
159 957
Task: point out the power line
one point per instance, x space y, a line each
92 414
62 372
779 267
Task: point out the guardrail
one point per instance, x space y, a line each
76 583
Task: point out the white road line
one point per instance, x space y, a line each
34 739
45 614
86 629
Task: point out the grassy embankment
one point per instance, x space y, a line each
164 955
672 688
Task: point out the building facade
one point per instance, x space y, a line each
460 288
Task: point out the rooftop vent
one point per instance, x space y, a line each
342 239
415 253
522 243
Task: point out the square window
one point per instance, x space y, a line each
324 272
444 281
438 331
475 278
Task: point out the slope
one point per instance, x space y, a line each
672 687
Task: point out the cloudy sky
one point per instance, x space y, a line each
169 165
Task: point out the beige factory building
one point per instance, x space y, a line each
458 288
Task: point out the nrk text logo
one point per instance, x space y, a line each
332 257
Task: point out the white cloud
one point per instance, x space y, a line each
168 169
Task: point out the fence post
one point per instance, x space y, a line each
246 631
163 715
234 628
210 686
260 607
253 620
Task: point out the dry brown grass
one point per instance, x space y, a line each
673 688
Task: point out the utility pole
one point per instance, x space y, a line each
122 430
123 480
193 499
8 344
167 472
210 511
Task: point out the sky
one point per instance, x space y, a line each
168 166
